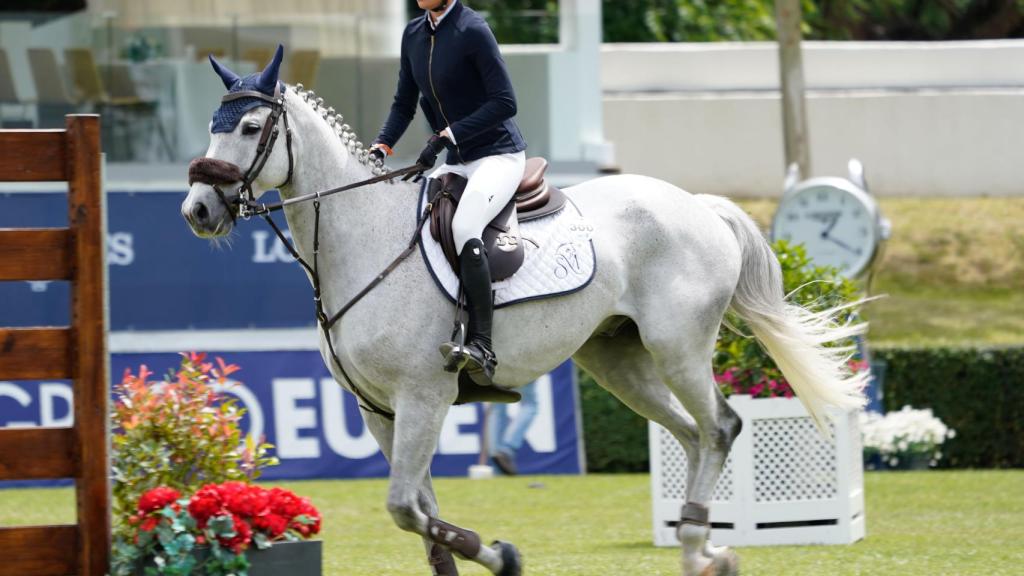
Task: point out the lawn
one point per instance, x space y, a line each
952 273
922 523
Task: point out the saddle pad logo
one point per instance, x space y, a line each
567 260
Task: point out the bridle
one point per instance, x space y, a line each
268 137
247 207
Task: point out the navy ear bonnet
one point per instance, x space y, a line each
226 118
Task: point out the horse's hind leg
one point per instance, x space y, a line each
418 421
438 557
681 341
622 366
690 377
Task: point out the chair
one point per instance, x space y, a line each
50 86
125 103
303 67
7 93
53 98
85 76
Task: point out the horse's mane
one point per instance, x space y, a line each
335 122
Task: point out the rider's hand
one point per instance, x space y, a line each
378 153
435 145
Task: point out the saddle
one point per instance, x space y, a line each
534 198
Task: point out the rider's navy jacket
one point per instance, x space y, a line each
461 81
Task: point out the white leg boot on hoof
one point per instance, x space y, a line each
693 538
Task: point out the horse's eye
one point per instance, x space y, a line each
250 128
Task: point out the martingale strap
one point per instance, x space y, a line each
247 207
325 322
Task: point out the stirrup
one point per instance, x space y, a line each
454 351
455 356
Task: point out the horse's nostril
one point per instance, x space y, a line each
199 212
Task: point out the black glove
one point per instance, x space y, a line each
377 154
435 145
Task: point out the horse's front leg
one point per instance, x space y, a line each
439 558
417 427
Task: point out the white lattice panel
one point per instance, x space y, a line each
674 466
783 483
792 461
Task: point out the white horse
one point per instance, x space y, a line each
669 264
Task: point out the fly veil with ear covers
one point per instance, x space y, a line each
244 94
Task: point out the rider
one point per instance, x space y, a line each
450 61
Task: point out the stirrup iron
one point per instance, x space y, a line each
454 352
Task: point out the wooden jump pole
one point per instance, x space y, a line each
77 352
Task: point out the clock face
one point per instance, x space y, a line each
835 226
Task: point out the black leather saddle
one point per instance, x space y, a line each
534 198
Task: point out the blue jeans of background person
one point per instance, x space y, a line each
507 436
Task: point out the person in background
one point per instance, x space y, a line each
506 435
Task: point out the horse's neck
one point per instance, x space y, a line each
361 229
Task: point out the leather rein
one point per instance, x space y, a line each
247 207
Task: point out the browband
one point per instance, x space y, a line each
253 94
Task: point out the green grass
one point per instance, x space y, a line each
923 523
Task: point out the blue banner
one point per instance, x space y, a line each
316 427
162 277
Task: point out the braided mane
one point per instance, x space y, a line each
335 122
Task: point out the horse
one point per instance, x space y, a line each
669 266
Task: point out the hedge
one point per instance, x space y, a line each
977 392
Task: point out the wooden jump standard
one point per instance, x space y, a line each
77 352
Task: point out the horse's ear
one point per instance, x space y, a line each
227 76
268 78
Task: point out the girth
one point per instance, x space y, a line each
505 247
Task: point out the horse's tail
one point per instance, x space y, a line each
793 336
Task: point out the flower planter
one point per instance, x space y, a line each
783 483
303 558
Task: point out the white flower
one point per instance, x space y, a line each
902 432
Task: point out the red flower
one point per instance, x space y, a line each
149 523
311 515
285 503
273 525
157 498
205 504
240 541
250 502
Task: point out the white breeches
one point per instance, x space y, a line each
492 181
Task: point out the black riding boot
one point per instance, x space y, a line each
478 358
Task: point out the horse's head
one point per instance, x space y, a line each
249 150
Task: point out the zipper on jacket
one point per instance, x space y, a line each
430 76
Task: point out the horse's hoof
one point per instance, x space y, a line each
511 561
725 563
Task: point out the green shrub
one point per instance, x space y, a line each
179 433
977 392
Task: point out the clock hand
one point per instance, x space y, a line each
842 245
832 224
